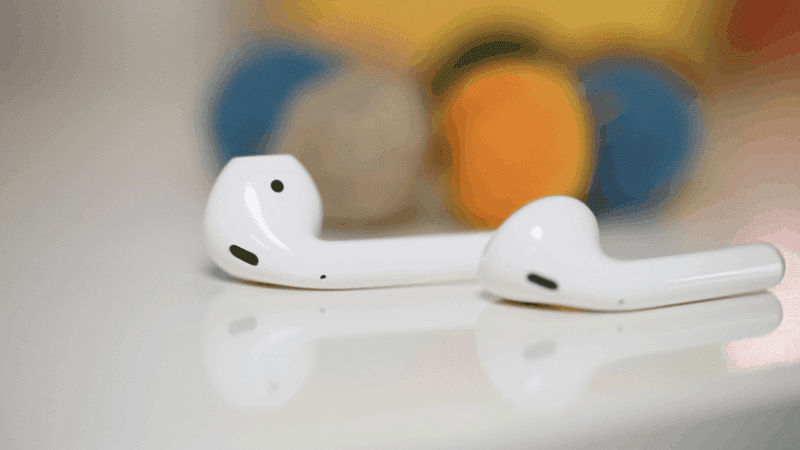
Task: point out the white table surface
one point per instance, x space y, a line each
116 331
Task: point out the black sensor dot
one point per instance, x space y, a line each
276 185
541 281
322 277
244 255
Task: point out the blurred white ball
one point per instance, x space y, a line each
362 135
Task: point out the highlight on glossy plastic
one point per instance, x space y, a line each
263 222
549 252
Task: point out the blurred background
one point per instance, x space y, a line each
420 112
676 121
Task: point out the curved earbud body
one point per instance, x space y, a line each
263 223
549 252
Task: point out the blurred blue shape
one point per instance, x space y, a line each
646 122
256 91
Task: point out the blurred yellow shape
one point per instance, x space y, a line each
422 26
517 132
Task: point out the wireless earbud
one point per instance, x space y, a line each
263 223
549 251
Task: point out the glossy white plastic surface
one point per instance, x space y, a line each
281 227
549 252
260 352
544 359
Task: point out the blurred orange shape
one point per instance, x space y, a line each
517 132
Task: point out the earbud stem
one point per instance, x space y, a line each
698 276
395 261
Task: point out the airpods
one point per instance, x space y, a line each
263 221
549 251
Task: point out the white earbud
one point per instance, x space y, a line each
263 222
549 251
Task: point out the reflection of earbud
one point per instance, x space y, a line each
261 345
544 359
549 252
263 222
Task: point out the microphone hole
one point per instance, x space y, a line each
542 281
276 185
244 255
